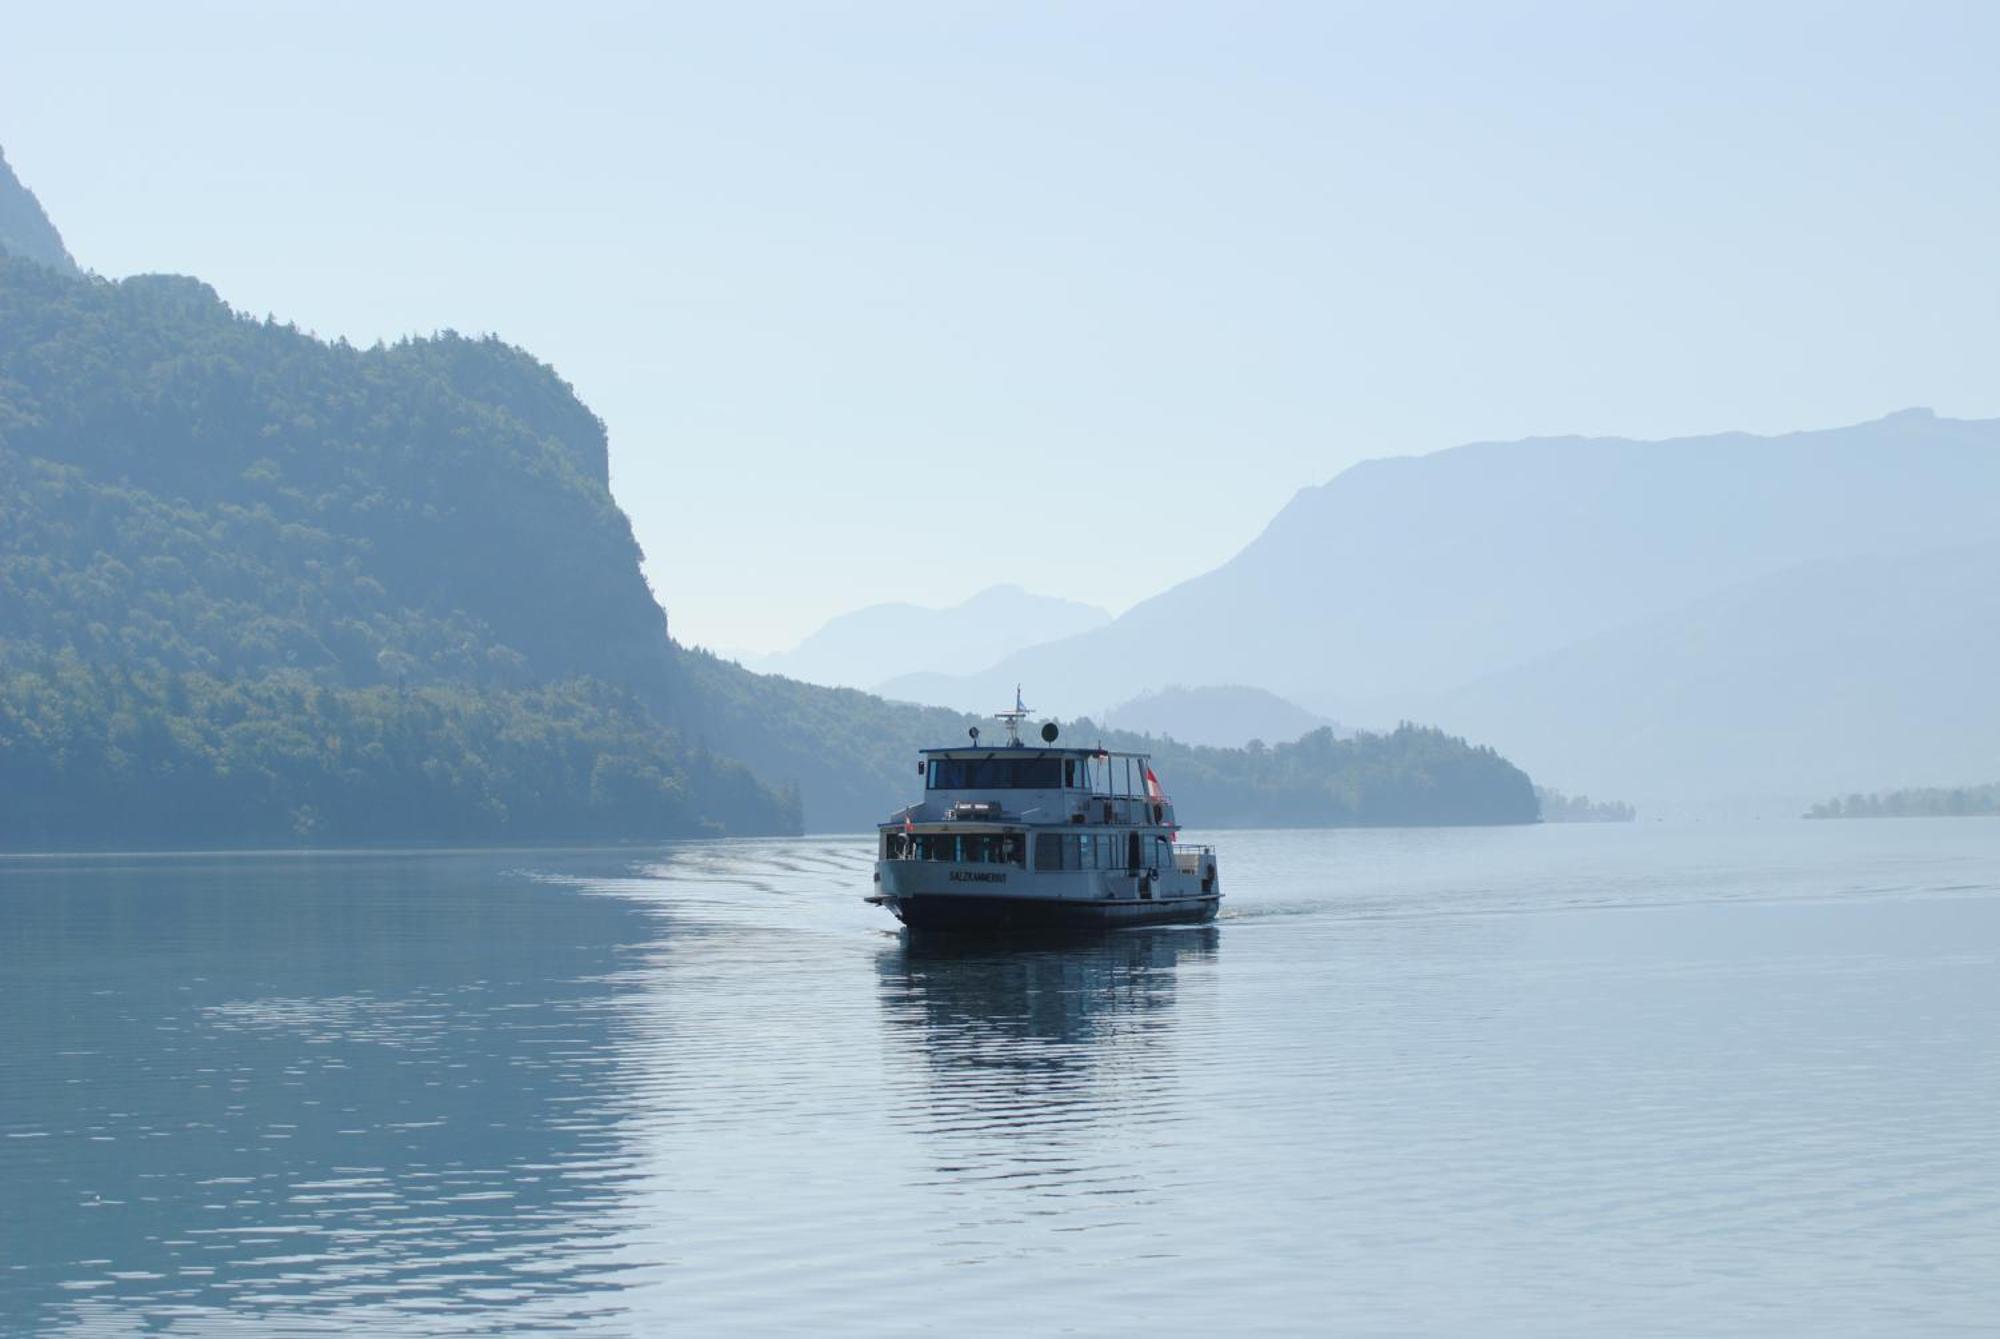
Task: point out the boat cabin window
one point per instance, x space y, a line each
1086 850
996 773
1106 776
966 848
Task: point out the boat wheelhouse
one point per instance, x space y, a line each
1016 835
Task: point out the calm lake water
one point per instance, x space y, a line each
1640 1079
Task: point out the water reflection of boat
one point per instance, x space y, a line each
1041 1061
1031 1003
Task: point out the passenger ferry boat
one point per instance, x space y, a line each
1016 836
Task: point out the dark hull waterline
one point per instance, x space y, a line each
958 911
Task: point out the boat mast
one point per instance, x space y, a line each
1012 719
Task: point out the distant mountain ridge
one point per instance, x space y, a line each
1416 574
1829 676
1392 590
1223 716
25 230
873 647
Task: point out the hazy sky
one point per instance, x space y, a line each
896 302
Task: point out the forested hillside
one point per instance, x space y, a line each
230 495
851 755
1411 777
279 588
1919 802
94 754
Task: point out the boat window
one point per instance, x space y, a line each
995 848
995 773
1048 850
936 845
1069 774
972 848
1072 859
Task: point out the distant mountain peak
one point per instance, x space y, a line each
1219 715
25 229
883 643
1003 590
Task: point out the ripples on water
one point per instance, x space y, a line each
1628 1079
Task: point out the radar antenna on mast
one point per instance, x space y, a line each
1012 719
